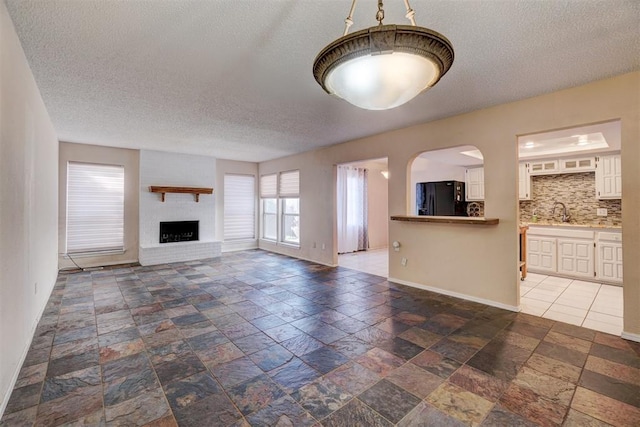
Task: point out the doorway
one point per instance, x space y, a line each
362 218
570 203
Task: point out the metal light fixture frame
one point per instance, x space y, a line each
383 39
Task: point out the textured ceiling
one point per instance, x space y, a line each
233 79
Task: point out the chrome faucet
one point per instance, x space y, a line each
565 216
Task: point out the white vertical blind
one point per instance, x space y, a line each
290 184
95 208
269 185
239 207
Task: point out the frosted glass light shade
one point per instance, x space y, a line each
384 66
381 82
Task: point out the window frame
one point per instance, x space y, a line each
264 216
251 197
73 208
284 215
285 189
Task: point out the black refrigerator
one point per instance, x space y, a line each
442 198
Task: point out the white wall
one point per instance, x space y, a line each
28 206
239 168
129 159
378 207
159 168
377 203
425 170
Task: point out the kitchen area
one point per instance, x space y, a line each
570 218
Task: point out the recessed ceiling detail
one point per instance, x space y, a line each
565 145
580 140
476 154
584 140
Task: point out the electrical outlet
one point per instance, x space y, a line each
324 246
404 262
601 211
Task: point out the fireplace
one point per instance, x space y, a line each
178 231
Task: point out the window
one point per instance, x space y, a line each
290 209
291 220
95 208
239 207
280 207
268 194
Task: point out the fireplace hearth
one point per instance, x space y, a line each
178 231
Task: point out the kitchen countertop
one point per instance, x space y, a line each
570 225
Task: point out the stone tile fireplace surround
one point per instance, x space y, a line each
160 168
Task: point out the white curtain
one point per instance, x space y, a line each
352 209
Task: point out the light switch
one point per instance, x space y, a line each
601 211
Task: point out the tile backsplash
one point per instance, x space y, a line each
577 191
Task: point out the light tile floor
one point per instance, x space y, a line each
373 261
592 305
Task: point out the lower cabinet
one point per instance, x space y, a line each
576 257
609 257
582 254
541 253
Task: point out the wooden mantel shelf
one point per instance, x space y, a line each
446 219
190 190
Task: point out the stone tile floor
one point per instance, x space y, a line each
255 338
593 305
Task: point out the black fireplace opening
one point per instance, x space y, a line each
178 231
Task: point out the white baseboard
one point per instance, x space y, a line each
456 294
239 245
297 257
631 337
308 259
318 262
25 351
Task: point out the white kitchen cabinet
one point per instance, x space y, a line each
609 177
575 257
474 184
543 167
524 182
585 164
609 257
563 251
541 253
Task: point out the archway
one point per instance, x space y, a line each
447 182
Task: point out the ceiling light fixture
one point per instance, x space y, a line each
383 66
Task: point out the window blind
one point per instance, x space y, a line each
239 207
290 184
269 185
95 208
